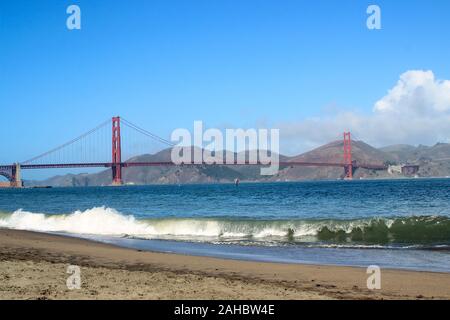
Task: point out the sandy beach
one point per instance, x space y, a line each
33 266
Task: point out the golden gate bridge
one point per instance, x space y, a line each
83 151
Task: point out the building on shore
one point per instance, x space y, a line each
404 169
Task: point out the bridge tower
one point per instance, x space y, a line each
12 173
116 153
348 162
17 176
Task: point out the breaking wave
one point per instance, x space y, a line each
109 222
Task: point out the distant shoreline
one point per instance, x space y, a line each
240 182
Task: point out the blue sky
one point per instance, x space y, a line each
247 63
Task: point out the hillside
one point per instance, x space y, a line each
434 161
333 152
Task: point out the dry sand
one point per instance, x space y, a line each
34 265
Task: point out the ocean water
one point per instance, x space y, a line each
396 223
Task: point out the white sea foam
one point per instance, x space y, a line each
110 222
99 220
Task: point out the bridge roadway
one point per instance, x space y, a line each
168 163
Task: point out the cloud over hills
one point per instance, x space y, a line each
416 110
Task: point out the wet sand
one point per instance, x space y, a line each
33 266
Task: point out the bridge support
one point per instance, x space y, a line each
116 153
12 173
348 162
17 176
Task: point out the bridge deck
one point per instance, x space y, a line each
151 164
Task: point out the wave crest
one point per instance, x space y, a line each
108 221
96 221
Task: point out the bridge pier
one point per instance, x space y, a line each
12 173
116 153
117 175
16 181
349 170
348 162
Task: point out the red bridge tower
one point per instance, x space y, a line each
116 152
348 162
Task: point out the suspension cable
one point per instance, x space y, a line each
147 133
67 143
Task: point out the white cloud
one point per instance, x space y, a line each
415 111
416 92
